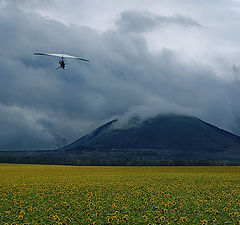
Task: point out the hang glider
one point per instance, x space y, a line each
62 61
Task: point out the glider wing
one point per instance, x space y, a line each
62 55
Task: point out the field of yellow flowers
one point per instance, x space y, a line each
39 194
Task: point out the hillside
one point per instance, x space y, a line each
170 137
163 140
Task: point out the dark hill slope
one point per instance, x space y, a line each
156 141
171 136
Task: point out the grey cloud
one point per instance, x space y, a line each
50 128
19 132
135 21
123 79
28 4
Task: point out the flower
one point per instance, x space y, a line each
20 217
183 219
162 218
56 218
124 219
144 217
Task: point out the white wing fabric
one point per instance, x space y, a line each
62 56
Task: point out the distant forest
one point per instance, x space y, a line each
83 162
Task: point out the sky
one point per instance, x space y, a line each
147 57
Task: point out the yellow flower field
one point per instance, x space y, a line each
38 194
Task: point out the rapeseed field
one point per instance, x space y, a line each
38 194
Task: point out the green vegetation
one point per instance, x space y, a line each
104 157
37 194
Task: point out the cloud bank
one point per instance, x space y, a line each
135 21
43 108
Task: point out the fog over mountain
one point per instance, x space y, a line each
147 58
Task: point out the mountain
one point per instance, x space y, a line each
162 140
166 137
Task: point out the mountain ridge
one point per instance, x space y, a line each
161 140
182 133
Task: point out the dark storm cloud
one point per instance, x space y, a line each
134 21
18 132
42 106
51 129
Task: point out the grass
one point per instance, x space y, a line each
38 194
